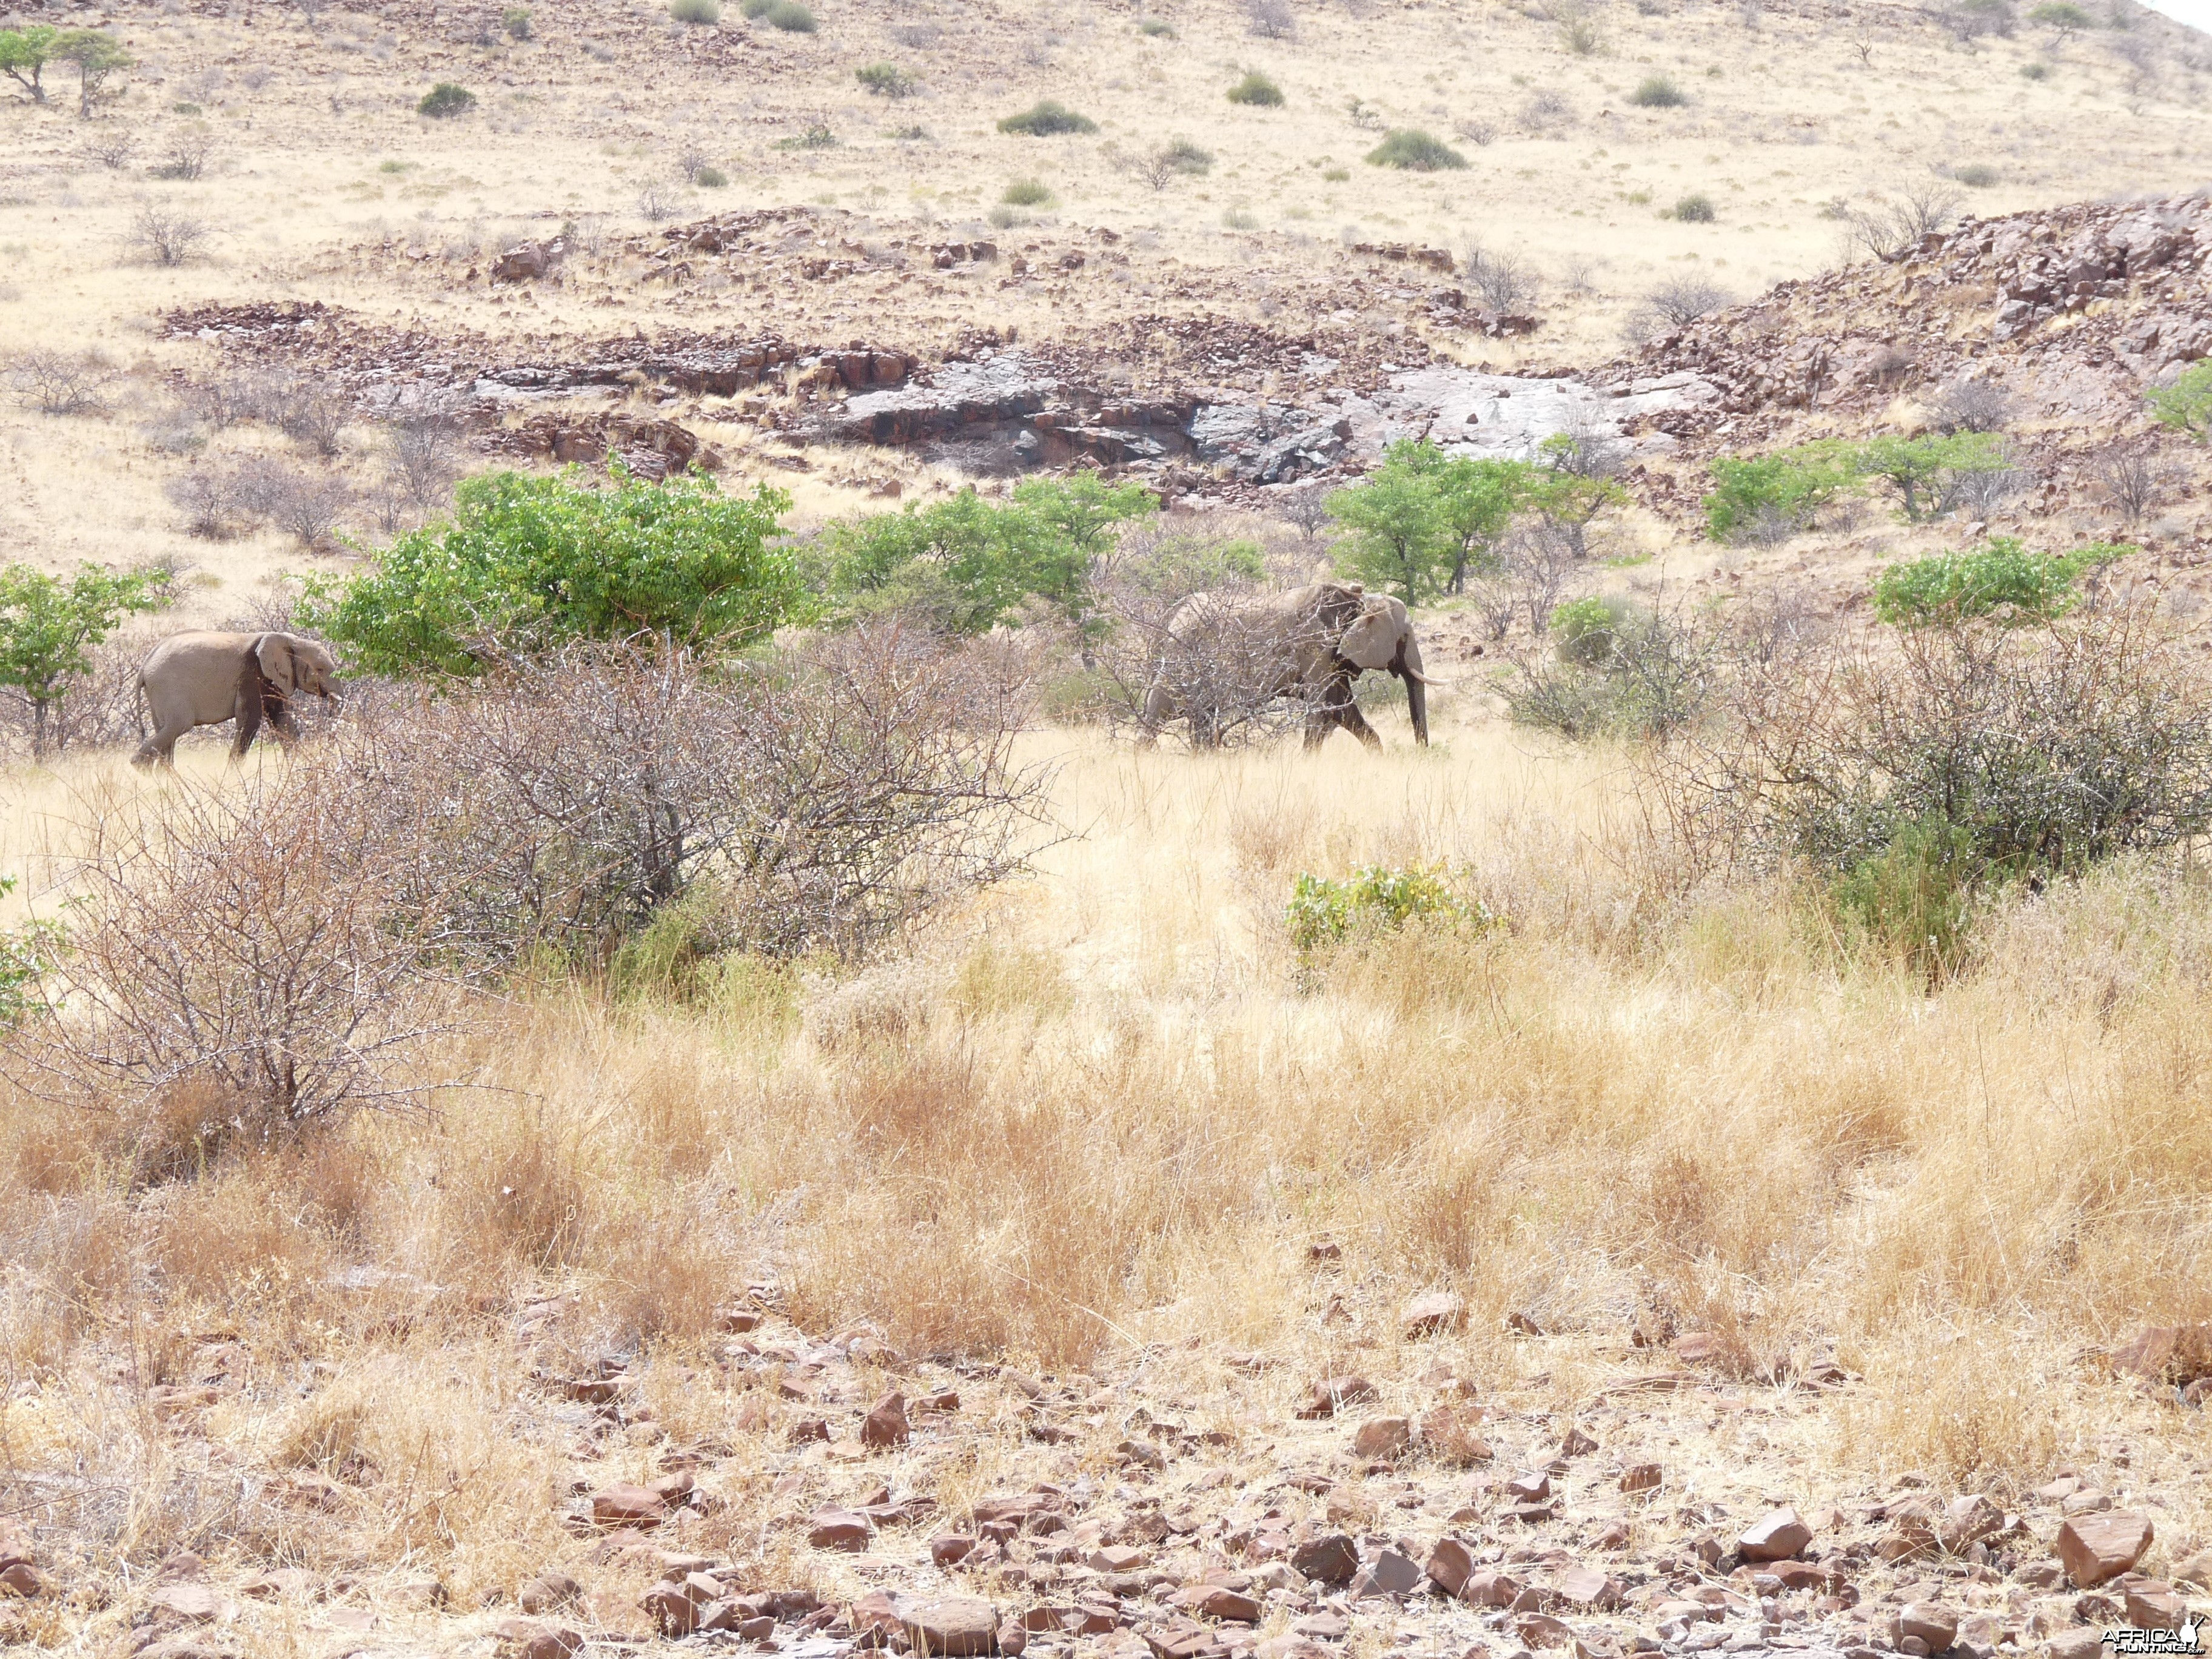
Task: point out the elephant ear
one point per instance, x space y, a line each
274 651
1371 642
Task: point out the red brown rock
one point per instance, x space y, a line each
1218 1602
957 1626
1332 1394
1450 1565
1775 1537
1929 1622
1332 1559
1590 1586
551 1588
1641 1477
2168 1353
528 1638
1388 1574
833 1528
886 1425
624 1504
1432 1314
2151 1604
950 1548
1966 1520
2094 1548
1382 1436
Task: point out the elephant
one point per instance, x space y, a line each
1225 658
206 678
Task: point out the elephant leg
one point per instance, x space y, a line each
1159 709
253 695
276 710
1356 723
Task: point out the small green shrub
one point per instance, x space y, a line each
1156 26
816 136
1047 119
2061 17
2186 406
755 9
1184 156
791 17
1026 192
1915 898
515 21
1257 89
701 11
1657 92
1695 209
1335 175
1587 631
1373 899
1768 497
2035 72
710 178
444 101
1414 151
1979 175
2001 579
887 80
1927 472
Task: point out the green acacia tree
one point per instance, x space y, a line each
1918 468
1397 536
48 628
529 562
97 59
1075 522
24 55
2001 579
2186 406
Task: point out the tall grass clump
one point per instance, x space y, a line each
1415 151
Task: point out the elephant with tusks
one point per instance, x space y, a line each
1225 659
205 679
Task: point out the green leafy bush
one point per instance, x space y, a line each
1976 175
1915 897
887 80
1156 26
2186 406
527 563
2061 17
816 136
48 628
1923 472
1587 631
1257 89
1616 671
24 54
1375 898
791 17
27 954
1780 493
1181 155
515 21
704 11
1026 192
444 101
1657 92
2001 579
2035 72
1414 151
1046 118
710 178
1695 209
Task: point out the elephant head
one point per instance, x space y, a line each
293 665
1381 636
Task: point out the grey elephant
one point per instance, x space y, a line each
206 678
1225 658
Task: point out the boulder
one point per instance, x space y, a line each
526 261
957 1626
1775 1537
1641 1477
950 1549
551 1588
2168 1353
1332 1559
1450 1565
1966 1520
1382 1436
529 1638
2151 1604
833 1528
1388 1574
885 1425
624 1504
1590 1586
189 1601
1488 1588
2094 1548
1218 1602
1332 1394
1929 1621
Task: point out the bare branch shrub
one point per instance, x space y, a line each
422 452
657 202
1890 231
1506 281
112 146
1271 19
1221 666
1538 568
62 382
306 503
2132 479
1545 109
1307 507
1978 491
830 798
1675 304
209 499
1969 403
165 236
184 159
98 710
238 967
2045 748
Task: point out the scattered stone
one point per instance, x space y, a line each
1775 1537
955 1626
189 1601
1928 1621
2095 1548
833 1528
886 1425
1541 1629
2151 1604
2075 1644
1332 1559
1532 1487
528 1638
1382 1436
1577 1443
2178 1355
1967 1520
1218 1602
1117 1558
1390 1574
1590 1587
1490 1589
551 1588
624 1504
2197 1570
1431 1314
951 1548
1332 1394
1450 1565
1641 1477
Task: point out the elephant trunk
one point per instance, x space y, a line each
1417 690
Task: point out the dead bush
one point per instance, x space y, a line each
1891 229
1676 304
239 965
1506 281
423 454
2133 479
1969 403
166 236
827 799
306 503
208 498
56 382
1271 19
1220 665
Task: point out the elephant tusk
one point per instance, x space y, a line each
1416 674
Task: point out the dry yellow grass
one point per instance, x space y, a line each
1092 1128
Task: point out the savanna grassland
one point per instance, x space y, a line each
1081 1235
